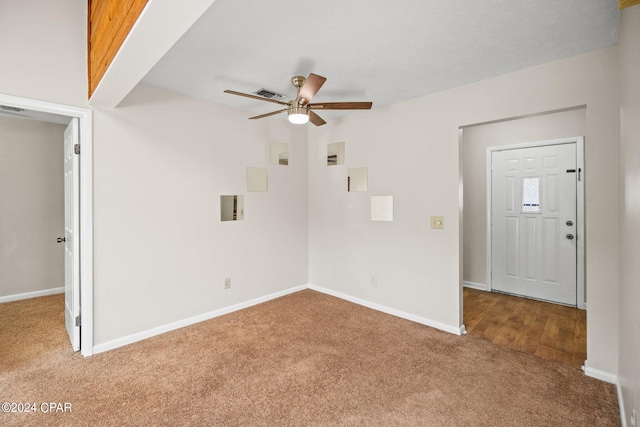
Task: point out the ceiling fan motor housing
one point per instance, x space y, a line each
298 81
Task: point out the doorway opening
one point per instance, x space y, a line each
535 220
79 285
523 322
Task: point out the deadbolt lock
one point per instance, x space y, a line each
569 223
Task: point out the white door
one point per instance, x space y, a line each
533 229
71 225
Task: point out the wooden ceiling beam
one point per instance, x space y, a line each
109 24
158 27
627 3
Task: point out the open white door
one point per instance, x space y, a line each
72 226
534 222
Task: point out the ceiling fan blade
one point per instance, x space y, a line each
316 119
268 114
259 98
310 87
342 105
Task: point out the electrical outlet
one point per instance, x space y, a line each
227 283
374 280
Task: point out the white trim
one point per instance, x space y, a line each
474 285
139 336
580 226
612 379
85 117
580 208
461 235
488 207
86 234
33 294
44 106
623 413
599 375
392 311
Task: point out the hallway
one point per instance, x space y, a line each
549 331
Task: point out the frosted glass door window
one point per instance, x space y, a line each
531 194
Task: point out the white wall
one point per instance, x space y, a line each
476 140
161 162
629 49
412 153
31 206
44 50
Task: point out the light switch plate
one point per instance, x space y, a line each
437 222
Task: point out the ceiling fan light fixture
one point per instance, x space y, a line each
298 115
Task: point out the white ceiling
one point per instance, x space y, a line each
374 50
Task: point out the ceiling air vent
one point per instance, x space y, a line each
12 109
266 93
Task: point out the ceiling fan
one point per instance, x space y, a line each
300 110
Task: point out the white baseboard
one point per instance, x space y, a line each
130 339
474 285
34 294
612 379
600 375
398 313
623 413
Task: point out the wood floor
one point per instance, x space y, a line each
549 331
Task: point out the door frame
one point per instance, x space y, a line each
580 240
85 119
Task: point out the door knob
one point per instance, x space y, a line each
61 239
570 236
569 223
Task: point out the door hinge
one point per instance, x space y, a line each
76 148
78 322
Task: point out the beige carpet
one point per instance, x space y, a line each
306 359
